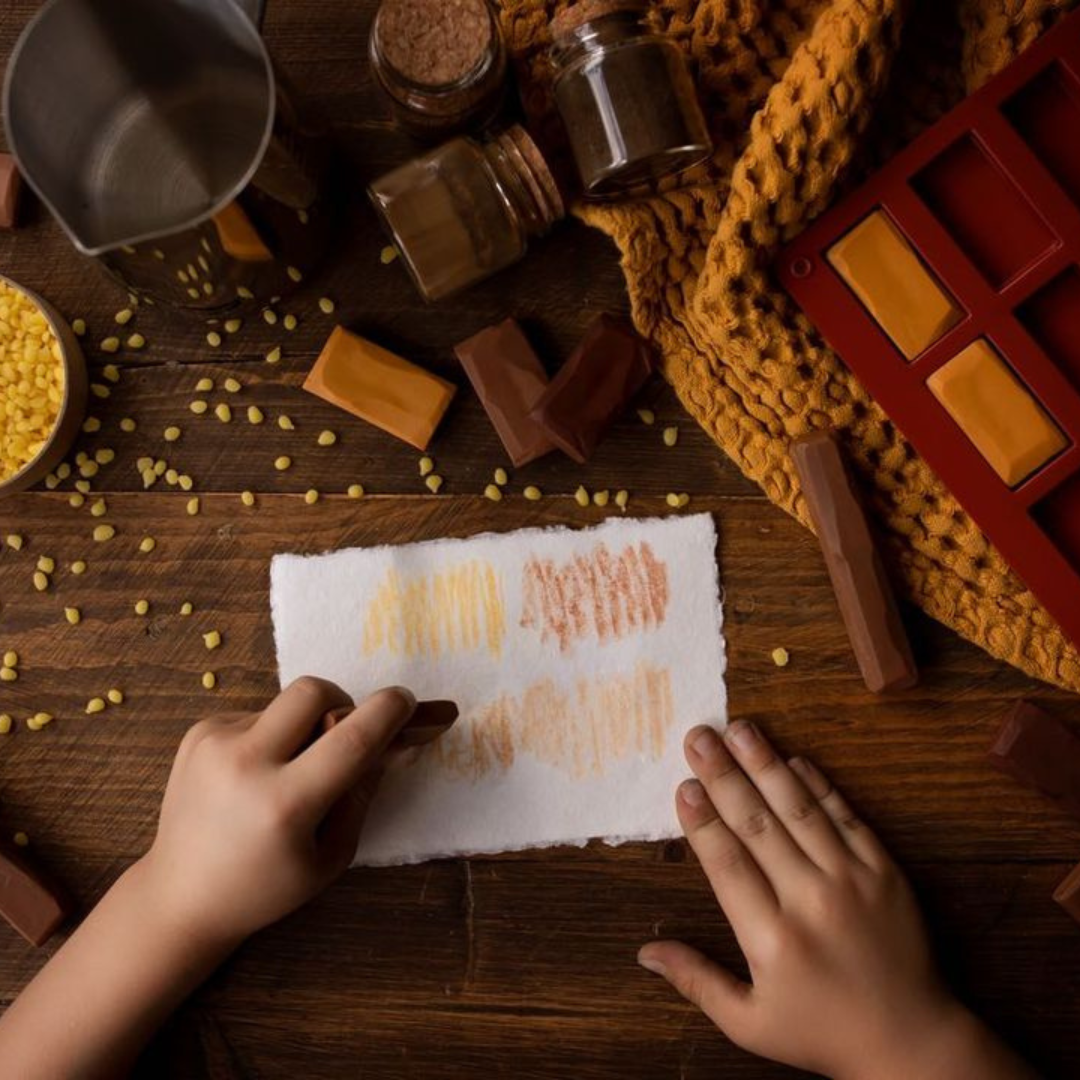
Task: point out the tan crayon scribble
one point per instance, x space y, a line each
456 610
579 730
595 595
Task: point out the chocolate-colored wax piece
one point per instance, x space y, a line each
1041 752
429 720
596 383
858 576
1067 894
10 185
28 901
509 380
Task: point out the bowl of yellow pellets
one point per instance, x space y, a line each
43 387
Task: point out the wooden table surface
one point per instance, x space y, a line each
523 965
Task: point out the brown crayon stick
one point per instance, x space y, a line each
429 720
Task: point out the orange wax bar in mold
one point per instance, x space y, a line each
238 235
996 412
380 387
883 271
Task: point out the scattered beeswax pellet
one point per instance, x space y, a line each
233 325
326 438
123 317
95 705
303 216
20 839
111 372
326 305
269 316
311 496
388 254
493 492
82 486
684 500
232 385
647 416
5 724
294 274
434 481
142 607
81 458
204 385
147 544
533 493
76 499
186 608
8 674
160 467
91 425
289 322
149 478
104 455
356 491
42 719
427 465
500 477
171 433
89 469
99 508
78 567
110 345
244 292
209 680
14 541
274 355
255 415
11 658
672 500
172 477
116 696
100 390
223 412
600 498
671 436
185 482
581 497
213 339
136 341
622 498
780 657
73 615
212 640
63 470
192 506
46 564
198 406
128 425
41 581
247 498
144 463
282 463
285 423
78 327
52 482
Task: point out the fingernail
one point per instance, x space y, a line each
650 963
692 793
742 735
406 695
705 742
798 766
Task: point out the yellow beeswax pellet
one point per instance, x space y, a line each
493 492
5 724
110 345
172 477
622 498
780 657
186 608
233 325
198 406
14 541
223 412
185 482
269 316
433 482
111 372
95 705
89 469
128 425
671 436
171 433
52 481
11 658
213 339
144 463
355 491
63 470
123 317
289 322
204 385
99 509
149 477
244 292
82 486
209 680
274 355
78 567
247 498
161 467
20 839
672 500
311 496
427 466
282 463
294 274
104 455
73 615
41 581
326 438
581 496
500 477
41 719
232 385
46 564
115 696
684 500
91 425
212 639
533 493
255 414
647 416
285 423
388 254
326 305
601 498
142 607
78 327
147 544
8 674
100 390
136 341
193 506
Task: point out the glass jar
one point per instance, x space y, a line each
467 209
443 65
625 97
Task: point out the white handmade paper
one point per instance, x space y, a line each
578 658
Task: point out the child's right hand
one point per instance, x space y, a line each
843 981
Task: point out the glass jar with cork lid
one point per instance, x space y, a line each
625 96
442 63
467 209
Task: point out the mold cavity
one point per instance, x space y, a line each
1058 515
1046 114
1052 317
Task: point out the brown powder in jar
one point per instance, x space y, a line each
435 42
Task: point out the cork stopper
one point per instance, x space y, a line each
585 11
538 176
434 42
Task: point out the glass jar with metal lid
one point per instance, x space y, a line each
442 63
467 209
625 96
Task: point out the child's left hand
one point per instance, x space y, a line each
255 822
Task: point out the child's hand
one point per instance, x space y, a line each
842 977
255 822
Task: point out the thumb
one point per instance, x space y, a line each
726 1000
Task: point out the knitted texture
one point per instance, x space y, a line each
803 98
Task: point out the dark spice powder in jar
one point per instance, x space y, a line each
435 42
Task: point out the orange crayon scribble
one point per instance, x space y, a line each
579 730
595 595
456 610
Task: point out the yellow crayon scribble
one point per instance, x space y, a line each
455 610
579 730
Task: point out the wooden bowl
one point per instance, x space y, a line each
72 408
